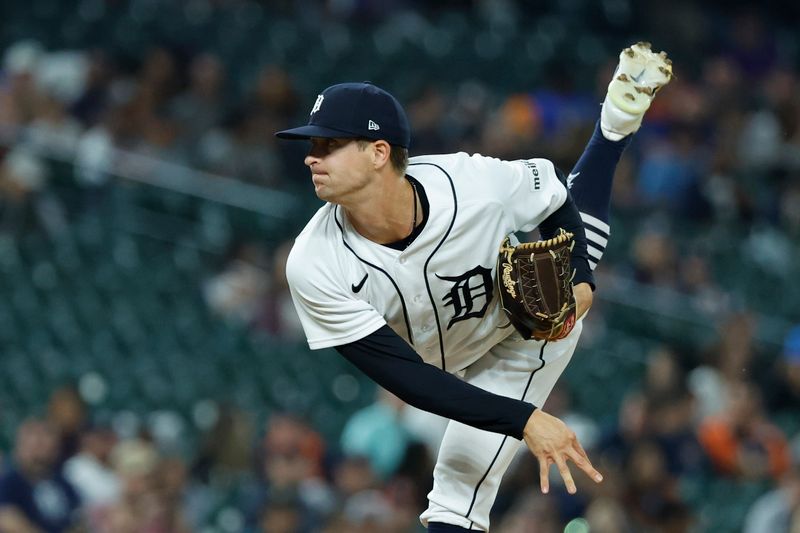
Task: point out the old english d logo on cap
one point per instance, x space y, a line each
355 110
317 104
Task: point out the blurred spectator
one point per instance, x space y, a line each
116 128
750 44
34 496
775 510
669 173
291 475
282 515
652 494
670 414
293 451
365 503
160 137
663 376
654 262
695 278
352 475
782 391
224 459
23 176
159 80
426 115
375 432
61 77
760 141
90 470
94 154
406 494
732 357
67 413
53 133
203 104
722 187
144 505
245 146
723 78
239 292
368 511
18 92
274 94
467 116
741 442
171 496
673 429
89 106
34 96
226 449
616 444
512 128
607 515
243 149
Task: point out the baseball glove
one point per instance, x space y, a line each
535 284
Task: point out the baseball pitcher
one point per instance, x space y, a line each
399 271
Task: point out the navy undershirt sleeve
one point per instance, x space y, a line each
593 174
568 218
389 361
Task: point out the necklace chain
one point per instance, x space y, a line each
414 190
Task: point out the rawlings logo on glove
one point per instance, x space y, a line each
535 285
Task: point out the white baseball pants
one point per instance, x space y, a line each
471 461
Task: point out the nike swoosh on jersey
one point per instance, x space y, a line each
357 288
571 178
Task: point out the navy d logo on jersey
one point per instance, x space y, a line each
470 294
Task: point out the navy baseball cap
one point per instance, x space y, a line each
355 110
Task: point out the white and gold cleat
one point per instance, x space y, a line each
640 74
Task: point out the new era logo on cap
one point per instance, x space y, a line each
355 110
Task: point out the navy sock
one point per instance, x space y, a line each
439 527
590 185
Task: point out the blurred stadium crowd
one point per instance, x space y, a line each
154 377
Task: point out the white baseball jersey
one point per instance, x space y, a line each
439 294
